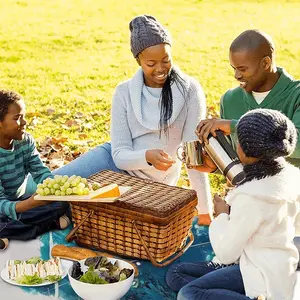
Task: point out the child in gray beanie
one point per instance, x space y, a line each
265 136
252 234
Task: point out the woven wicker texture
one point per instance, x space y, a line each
163 218
146 196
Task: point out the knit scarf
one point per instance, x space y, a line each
136 89
264 168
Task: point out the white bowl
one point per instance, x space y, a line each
110 291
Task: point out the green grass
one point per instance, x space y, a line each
69 55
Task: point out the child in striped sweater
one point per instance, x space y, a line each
22 217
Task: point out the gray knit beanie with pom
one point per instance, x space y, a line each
146 32
266 133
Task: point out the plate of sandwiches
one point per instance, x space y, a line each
33 272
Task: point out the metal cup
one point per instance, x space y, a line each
192 150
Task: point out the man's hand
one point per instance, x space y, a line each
159 159
205 127
29 203
220 206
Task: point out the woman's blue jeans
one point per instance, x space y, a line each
206 281
91 162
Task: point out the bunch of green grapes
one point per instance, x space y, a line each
63 186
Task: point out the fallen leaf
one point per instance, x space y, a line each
46 142
71 123
35 121
87 125
59 140
56 163
82 136
57 147
79 115
76 153
33 114
79 143
56 155
187 182
50 111
44 159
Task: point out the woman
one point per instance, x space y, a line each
257 229
152 114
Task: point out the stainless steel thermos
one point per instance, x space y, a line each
221 152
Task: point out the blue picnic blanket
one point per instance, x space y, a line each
149 285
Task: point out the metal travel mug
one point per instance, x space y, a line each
192 150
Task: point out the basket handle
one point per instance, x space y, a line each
170 260
70 237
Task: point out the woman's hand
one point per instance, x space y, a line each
220 206
159 159
205 127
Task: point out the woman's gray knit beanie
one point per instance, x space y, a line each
146 32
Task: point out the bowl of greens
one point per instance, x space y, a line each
101 276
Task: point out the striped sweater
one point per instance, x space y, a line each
15 165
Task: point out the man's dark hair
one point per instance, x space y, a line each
254 40
7 98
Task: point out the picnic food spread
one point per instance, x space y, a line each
76 185
100 271
34 270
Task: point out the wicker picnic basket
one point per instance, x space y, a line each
150 221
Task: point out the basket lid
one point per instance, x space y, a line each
146 196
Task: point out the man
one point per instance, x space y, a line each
262 85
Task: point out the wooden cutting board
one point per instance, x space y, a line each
84 198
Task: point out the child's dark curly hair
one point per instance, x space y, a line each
7 98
